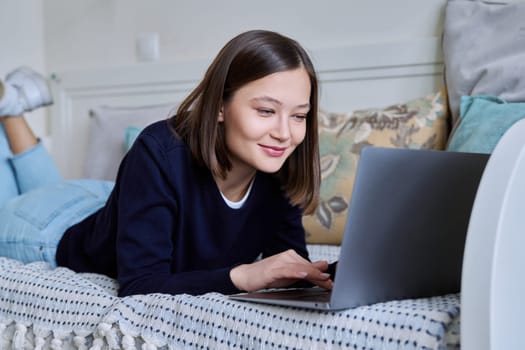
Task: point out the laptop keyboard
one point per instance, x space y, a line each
313 296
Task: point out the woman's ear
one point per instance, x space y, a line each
220 118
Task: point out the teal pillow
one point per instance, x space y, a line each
130 135
484 120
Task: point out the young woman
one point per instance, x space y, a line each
210 199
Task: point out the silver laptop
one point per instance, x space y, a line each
405 230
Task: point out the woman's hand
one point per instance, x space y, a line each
280 270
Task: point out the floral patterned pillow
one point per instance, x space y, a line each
417 124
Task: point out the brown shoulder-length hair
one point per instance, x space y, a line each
247 57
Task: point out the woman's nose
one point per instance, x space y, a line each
282 129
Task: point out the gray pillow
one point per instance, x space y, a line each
106 144
484 51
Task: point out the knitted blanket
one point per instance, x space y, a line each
44 308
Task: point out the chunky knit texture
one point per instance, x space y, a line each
45 308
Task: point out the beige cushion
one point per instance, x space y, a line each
417 124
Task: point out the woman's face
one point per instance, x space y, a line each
265 120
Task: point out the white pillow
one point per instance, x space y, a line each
106 144
484 51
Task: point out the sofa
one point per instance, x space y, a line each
98 115
42 307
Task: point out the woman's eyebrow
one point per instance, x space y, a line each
267 99
276 101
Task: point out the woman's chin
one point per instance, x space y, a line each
270 168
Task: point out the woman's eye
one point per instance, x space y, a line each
265 111
299 117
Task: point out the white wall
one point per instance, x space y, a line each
97 33
61 35
22 43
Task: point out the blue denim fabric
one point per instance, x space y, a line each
34 168
32 224
25 171
8 185
37 206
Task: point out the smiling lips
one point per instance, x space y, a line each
273 151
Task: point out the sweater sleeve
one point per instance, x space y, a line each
290 233
147 215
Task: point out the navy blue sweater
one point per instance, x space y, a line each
166 228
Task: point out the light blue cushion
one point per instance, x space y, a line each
484 119
130 135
